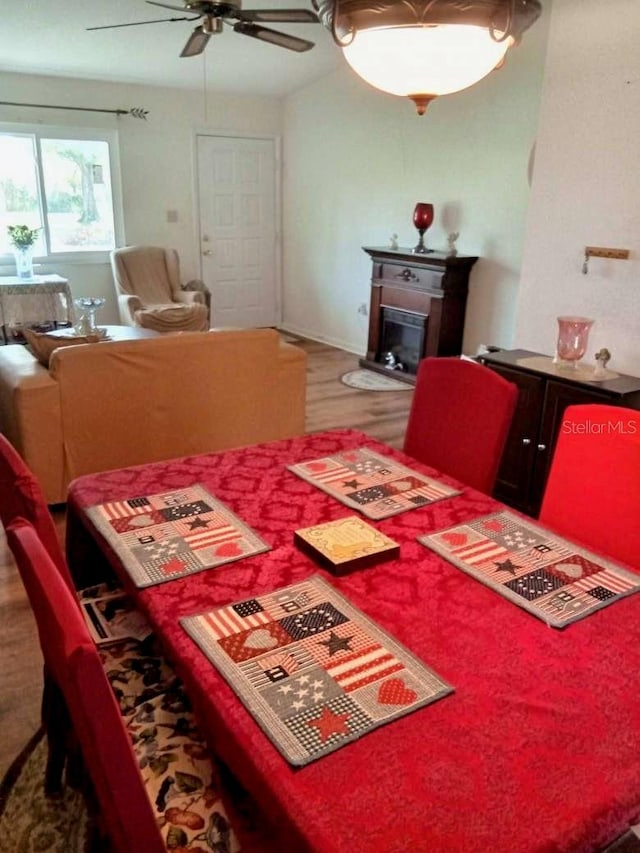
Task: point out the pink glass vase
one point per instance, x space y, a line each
573 334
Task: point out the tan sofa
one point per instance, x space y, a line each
118 403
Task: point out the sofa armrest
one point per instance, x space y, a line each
30 417
128 304
291 390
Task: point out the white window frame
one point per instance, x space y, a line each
99 134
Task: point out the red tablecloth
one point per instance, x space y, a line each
537 749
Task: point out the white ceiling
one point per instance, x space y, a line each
50 37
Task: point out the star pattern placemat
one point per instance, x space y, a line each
172 534
314 671
376 485
549 576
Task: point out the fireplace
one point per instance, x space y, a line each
402 336
417 309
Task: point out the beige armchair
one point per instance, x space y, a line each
150 294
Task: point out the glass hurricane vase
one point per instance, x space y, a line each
573 334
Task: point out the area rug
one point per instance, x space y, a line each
367 380
313 670
30 822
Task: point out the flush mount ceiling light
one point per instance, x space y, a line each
425 48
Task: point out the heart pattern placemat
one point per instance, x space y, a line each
172 534
545 574
376 485
314 671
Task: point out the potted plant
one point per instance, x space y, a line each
22 239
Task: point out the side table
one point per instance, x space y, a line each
543 397
43 303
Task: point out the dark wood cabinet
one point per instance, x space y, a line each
417 308
543 398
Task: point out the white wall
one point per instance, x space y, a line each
586 188
156 158
355 163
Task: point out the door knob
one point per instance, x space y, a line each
526 441
207 252
542 447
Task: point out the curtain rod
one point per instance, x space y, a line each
136 112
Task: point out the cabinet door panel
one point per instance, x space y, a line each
518 459
558 396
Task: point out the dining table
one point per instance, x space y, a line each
536 748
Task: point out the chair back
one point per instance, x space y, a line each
592 494
459 419
74 663
21 496
150 272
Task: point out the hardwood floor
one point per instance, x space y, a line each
330 404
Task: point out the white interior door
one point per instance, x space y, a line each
238 229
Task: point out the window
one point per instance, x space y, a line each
64 182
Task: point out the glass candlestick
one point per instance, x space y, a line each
422 219
88 305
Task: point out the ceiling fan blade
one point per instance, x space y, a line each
196 42
139 23
279 16
183 8
273 37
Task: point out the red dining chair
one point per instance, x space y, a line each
459 419
154 784
593 490
21 496
74 663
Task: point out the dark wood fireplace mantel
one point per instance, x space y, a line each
417 307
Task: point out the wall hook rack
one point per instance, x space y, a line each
602 252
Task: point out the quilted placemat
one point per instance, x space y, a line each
313 670
375 485
173 534
549 576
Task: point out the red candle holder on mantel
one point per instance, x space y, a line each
422 219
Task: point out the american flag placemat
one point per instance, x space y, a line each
375 485
549 576
314 671
173 534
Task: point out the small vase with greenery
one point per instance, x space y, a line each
22 239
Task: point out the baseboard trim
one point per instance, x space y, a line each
300 331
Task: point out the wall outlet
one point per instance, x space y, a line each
363 309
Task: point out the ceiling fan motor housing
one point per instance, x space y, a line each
214 10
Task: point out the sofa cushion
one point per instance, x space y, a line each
42 344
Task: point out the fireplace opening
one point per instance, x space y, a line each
402 340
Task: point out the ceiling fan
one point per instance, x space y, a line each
214 13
